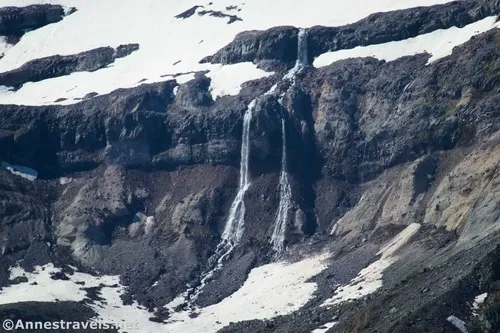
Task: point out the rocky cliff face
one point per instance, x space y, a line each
139 182
16 21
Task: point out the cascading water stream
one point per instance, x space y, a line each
280 222
278 236
233 230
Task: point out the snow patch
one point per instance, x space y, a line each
324 328
48 290
478 300
42 288
227 79
458 323
439 44
5 89
149 225
271 290
65 180
369 279
163 39
21 171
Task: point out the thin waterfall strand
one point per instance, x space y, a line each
278 236
302 56
279 230
233 230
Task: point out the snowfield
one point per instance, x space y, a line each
271 290
439 44
168 45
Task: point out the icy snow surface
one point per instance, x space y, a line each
439 44
168 45
369 279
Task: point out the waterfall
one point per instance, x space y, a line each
278 236
233 230
302 56
280 222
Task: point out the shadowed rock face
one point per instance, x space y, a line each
372 147
278 43
16 21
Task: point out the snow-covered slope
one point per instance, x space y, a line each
168 45
439 44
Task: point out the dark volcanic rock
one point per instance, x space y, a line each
219 14
279 43
16 20
55 66
191 11
188 13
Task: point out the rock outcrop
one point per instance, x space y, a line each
15 21
55 66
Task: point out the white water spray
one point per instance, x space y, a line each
280 223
